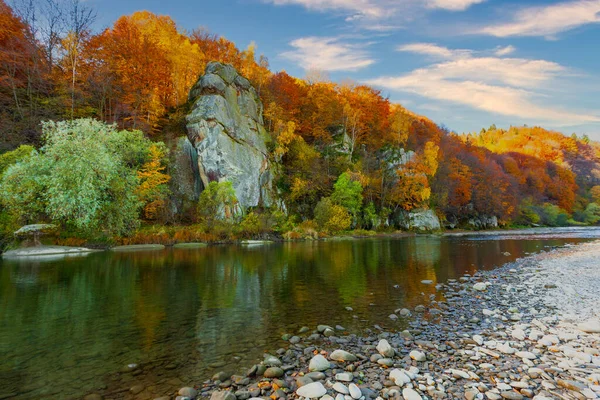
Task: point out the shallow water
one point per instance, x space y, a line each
69 326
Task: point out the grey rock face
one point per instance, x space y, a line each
185 178
225 127
484 222
418 220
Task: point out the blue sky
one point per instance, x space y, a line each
466 64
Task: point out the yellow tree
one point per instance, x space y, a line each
153 182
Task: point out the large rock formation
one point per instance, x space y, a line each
483 222
225 126
185 181
417 220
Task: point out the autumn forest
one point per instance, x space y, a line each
345 157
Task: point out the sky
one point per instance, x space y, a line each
466 64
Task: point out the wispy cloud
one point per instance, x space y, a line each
433 50
504 51
328 54
507 86
452 5
547 21
368 8
378 10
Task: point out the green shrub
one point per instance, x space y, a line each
348 194
12 157
84 178
332 217
218 202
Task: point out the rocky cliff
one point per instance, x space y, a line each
417 220
225 126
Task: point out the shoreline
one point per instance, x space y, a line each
515 332
82 250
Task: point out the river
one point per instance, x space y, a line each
71 326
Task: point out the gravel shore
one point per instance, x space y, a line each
530 329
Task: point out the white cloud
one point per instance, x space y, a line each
378 10
369 8
453 5
328 54
547 20
431 49
504 51
508 86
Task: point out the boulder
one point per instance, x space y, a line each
225 126
417 220
483 222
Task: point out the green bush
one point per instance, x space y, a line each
553 215
348 194
332 217
84 177
218 202
12 157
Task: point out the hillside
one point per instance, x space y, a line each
344 157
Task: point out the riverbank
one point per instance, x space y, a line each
526 330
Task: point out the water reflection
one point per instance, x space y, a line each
69 326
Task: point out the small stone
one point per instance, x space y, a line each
518 334
316 376
344 377
273 372
470 394
188 392
272 361
311 390
480 286
318 363
591 326
511 395
136 389
457 373
399 377
342 356
387 362
384 348
303 380
571 385
418 355
223 395
354 391
411 394
526 354
341 388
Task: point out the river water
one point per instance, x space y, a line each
71 326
